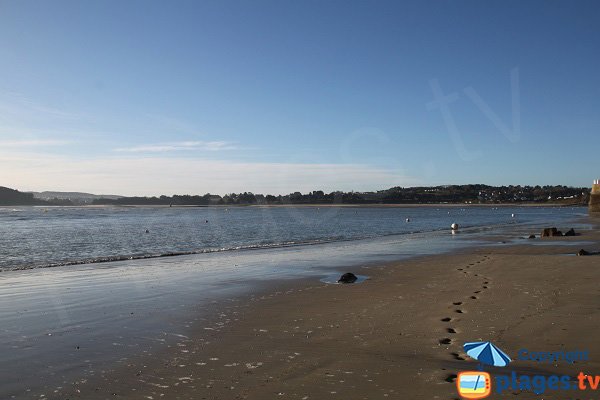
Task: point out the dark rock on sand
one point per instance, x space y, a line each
570 232
549 232
582 252
348 277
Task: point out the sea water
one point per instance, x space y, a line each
33 237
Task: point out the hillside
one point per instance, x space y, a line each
78 198
11 197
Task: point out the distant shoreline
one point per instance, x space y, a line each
471 194
345 205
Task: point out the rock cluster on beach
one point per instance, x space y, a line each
551 232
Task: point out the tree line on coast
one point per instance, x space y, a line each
473 194
470 194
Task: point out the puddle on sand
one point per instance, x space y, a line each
591 253
333 279
545 242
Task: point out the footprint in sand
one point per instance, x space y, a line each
459 311
477 291
485 287
445 341
474 297
459 269
457 356
457 303
451 330
447 319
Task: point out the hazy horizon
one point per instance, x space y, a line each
148 98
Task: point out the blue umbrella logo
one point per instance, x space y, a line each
487 353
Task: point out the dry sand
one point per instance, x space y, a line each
397 336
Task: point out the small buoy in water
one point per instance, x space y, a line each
407 219
512 215
206 221
147 231
454 226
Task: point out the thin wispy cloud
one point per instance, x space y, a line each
18 106
25 122
178 146
34 143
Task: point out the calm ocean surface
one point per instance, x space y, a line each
41 237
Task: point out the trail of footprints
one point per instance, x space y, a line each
458 309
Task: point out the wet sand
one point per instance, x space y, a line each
398 335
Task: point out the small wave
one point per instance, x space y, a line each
107 259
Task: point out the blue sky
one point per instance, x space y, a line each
143 97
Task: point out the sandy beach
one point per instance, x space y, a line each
398 335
